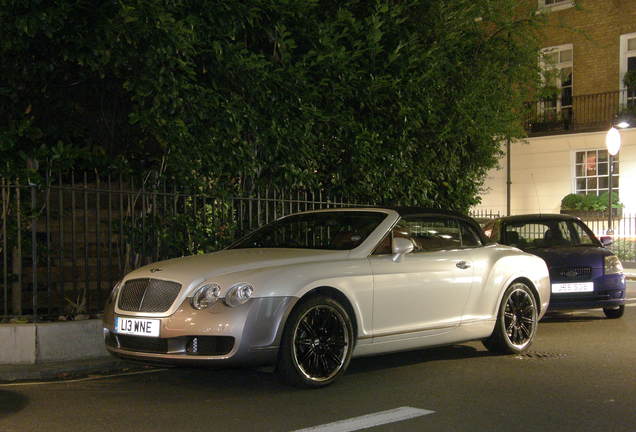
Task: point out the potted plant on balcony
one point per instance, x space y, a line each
590 206
629 79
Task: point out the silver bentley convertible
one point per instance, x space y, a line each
310 291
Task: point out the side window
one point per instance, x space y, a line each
468 236
582 236
526 234
434 233
565 232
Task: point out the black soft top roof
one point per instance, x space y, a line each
537 217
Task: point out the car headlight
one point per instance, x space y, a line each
205 296
613 265
238 294
114 292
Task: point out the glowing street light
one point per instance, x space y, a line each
613 144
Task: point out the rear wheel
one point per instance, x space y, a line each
317 343
615 312
516 323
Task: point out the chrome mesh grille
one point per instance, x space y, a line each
574 273
148 295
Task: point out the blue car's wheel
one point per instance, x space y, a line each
615 312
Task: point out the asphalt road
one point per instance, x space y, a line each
580 375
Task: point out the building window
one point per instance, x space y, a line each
627 64
555 5
557 63
591 172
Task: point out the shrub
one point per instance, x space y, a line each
589 202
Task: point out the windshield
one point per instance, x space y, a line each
337 230
547 234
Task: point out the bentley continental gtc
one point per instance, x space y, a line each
311 290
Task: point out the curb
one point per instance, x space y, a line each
59 371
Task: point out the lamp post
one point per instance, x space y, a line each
613 144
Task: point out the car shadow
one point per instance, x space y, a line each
559 317
263 380
407 358
11 402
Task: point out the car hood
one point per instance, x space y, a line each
199 267
591 256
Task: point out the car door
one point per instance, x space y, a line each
428 288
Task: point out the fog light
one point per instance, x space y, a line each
205 296
238 294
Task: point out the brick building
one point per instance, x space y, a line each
589 47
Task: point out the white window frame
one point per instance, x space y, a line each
559 5
598 190
559 66
625 53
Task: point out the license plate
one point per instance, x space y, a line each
137 326
573 287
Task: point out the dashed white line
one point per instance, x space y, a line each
369 420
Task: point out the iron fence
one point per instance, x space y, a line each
64 244
624 233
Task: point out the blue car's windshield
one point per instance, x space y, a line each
547 234
334 230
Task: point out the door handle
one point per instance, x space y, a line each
462 265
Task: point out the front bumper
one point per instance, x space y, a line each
246 335
609 291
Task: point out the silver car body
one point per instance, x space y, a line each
421 300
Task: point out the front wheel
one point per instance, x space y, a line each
615 312
517 321
317 343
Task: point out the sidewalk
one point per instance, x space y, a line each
56 371
630 273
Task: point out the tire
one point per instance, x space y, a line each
613 313
517 321
317 343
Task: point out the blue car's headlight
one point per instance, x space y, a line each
612 265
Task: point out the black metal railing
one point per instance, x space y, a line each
583 113
64 244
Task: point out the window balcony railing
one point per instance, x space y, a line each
583 113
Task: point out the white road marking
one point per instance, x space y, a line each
369 420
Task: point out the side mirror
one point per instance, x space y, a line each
606 240
400 247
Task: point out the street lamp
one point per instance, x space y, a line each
613 144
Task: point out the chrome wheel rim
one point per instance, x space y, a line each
520 317
320 343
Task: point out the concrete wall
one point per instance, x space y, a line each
542 171
47 342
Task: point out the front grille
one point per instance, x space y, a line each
148 295
575 273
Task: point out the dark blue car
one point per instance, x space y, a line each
583 273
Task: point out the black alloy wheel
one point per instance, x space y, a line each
516 323
317 343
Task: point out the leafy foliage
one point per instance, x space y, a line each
389 101
589 202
